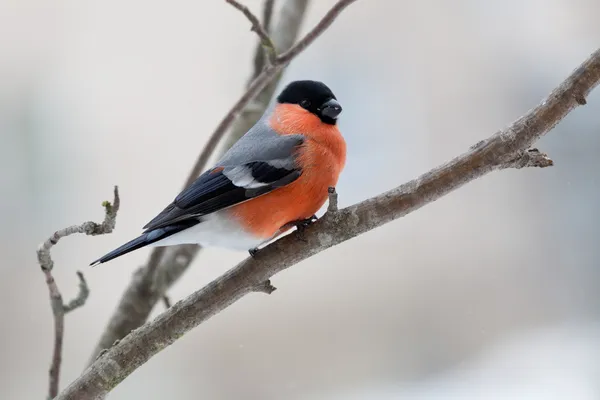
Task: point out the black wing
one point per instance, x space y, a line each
223 187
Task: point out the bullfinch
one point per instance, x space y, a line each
276 176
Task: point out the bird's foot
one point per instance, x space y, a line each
301 226
253 252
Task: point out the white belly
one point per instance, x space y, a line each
216 230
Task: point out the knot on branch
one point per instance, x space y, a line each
529 158
333 200
580 99
265 287
101 353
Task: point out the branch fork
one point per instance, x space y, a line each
257 27
264 287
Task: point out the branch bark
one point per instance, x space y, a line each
259 55
166 265
59 309
504 149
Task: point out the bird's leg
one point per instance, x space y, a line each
301 226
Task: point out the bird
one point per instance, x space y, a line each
275 177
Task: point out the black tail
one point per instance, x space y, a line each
145 239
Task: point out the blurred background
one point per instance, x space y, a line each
490 292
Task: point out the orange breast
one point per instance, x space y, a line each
322 158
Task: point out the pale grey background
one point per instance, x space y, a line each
491 292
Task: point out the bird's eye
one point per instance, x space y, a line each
305 104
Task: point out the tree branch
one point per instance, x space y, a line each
496 152
268 14
59 309
266 42
259 55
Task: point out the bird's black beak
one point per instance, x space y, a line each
331 109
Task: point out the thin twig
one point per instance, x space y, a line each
59 309
333 200
266 42
268 14
259 54
166 301
82 296
491 154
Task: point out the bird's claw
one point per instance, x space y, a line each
301 226
253 251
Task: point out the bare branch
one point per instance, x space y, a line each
82 296
259 54
166 301
268 14
266 42
59 328
89 228
333 228
59 309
